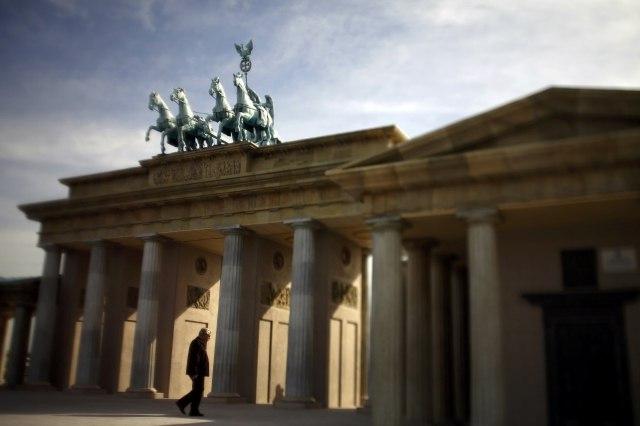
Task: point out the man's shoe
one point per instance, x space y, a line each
196 414
180 407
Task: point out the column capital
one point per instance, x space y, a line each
303 222
153 237
444 257
234 230
48 247
386 222
420 243
479 215
25 301
98 243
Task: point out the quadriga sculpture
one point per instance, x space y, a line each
165 124
254 120
193 131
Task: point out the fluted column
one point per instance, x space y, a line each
365 381
439 338
226 359
300 348
387 391
487 377
45 326
146 332
459 343
4 319
90 338
418 311
74 276
17 356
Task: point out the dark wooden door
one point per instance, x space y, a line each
587 367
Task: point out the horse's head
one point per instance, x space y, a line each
154 100
178 95
216 87
238 80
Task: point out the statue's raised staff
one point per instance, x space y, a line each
165 124
193 131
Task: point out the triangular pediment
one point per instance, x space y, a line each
552 114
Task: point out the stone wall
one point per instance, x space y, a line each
195 305
530 263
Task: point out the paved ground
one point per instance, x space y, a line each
27 408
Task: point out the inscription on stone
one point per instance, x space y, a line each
197 297
344 294
271 296
195 170
618 259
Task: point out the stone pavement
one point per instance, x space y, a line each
30 408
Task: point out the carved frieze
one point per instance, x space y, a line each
270 296
201 265
198 297
189 171
345 256
132 297
344 294
278 261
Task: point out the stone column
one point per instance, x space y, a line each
487 377
227 357
365 378
19 340
146 334
45 326
4 319
439 339
387 390
75 271
88 369
418 374
459 343
300 347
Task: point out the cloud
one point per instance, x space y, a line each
76 83
70 7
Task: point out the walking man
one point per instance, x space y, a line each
197 370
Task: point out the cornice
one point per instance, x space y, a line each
280 180
557 156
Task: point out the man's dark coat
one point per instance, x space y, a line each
197 361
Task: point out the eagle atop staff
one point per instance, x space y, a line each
244 51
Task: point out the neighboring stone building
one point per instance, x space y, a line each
504 273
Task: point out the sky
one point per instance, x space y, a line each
76 75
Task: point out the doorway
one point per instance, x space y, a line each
586 358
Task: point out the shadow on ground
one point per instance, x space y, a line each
27 408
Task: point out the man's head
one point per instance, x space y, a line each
205 334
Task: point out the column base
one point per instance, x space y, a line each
296 403
144 393
86 389
365 408
414 422
225 398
